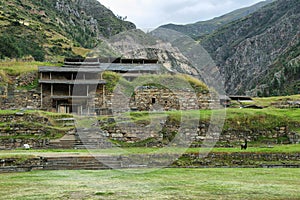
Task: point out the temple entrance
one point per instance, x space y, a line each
68 106
63 109
63 106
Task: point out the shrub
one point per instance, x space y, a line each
13 47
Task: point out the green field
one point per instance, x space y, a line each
293 148
154 184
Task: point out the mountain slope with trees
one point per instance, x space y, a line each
52 28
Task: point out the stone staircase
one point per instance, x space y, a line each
79 138
100 162
91 138
68 141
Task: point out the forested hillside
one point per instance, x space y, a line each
52 28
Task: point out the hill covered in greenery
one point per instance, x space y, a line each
50 29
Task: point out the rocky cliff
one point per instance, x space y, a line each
177 52
259 54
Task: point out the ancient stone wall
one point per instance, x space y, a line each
19 129
131 132
15 96
19 99
285 104
17 93
19 143
47 101
23 117
237 159
17 165
165 99
100 100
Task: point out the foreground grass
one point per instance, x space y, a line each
154 184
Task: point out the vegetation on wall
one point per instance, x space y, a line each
15 68
11 72
172 82
112 79
163 81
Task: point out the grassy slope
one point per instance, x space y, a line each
28 25
157 184
17 67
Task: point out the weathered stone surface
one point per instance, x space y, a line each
137 132
165 99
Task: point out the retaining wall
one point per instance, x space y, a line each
243 159
19 129
132 132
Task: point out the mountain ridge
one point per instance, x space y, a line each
257 54
199 29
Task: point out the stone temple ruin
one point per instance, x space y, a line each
78 87
81 87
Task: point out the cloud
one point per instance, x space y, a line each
153 13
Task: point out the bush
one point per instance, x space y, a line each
14 47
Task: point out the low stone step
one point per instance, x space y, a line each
73 162
92 146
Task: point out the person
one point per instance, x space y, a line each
245 145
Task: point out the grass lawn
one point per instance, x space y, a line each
157 184
295 148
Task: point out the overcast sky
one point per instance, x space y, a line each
153 13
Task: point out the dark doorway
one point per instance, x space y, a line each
153 100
